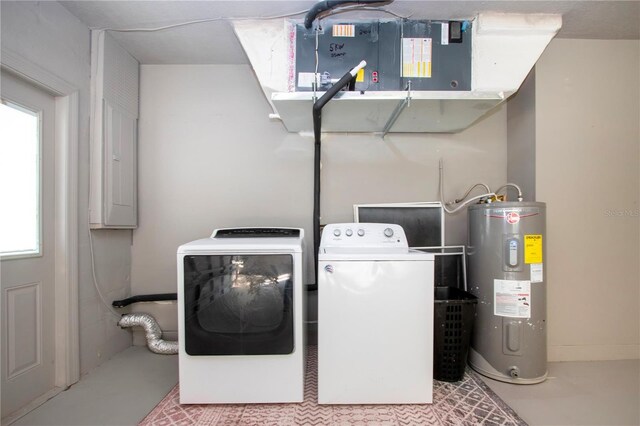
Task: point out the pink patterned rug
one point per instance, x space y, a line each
467 402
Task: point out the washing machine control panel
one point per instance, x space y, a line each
364 235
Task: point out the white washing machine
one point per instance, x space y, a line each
375 317
240 317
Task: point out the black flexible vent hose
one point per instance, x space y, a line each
144 298
323 6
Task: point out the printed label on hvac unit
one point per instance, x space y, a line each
416 57
344 30
533 249
512 298
444 33
536 272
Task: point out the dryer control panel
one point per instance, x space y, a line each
367 236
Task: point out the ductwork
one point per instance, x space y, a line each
323 6
504 49
152 331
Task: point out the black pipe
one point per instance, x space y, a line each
316 202
144 298
323 6
317 126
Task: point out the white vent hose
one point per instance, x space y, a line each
152 332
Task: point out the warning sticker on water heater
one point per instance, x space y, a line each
537 272
533 249
512 298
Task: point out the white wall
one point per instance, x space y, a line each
209 157
46 34
587 170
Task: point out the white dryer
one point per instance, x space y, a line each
375 317
240 312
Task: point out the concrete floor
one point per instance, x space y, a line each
578 393
120 392
124 389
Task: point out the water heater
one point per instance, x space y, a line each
507 273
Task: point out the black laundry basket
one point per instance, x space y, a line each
454 315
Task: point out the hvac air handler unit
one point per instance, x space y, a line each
506 272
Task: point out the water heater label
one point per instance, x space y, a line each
512 218
536 272
512 298
533 249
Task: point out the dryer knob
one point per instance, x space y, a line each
388 232
336 232
361 232
348 232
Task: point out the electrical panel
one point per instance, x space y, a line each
428 55
114 134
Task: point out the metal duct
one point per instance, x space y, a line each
324 6
504 49
152 332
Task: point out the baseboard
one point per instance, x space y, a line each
592 352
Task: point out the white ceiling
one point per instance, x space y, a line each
215 42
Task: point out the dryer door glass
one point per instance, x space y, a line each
238 304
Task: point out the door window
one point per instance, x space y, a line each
20 226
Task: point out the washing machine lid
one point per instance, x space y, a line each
248 240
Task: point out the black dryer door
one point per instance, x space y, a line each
238 304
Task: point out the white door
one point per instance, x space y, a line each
26 243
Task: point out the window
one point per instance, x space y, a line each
20 227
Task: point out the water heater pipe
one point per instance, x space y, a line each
317 130
488 195
466 194
513 185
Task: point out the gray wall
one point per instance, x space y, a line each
587 113
47 35
521 135
209 157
